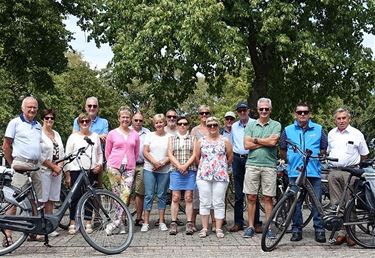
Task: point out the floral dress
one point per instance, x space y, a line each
213 165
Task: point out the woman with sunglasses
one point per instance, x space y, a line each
213 154
121 152
93 161
181 153
156 171
50 173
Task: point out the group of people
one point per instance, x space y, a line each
196 163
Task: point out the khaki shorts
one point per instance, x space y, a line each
260 176
19 180
139 186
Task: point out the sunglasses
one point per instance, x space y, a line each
229 118
138 120
205 113
49 118
242 110
92 106
263 109
180 124
85 121
171 116
213 125
302 112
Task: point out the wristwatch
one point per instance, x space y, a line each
255 140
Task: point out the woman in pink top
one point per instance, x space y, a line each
121 152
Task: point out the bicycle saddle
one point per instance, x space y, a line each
21 169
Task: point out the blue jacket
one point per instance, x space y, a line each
309 138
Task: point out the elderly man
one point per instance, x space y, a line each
22 148
348 145
137 125
171 126
308 135
261 137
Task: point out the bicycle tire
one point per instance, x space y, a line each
278 223
23 209
362 218
114 242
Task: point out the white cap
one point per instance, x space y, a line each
231 114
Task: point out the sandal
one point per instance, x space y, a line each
219 233
203 233
72 229
35 238
7 241
88 228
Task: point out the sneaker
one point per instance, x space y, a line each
163 227
145 227
270 234
173 228
249 232
54 234
122 229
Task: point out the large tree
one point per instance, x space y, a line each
298 50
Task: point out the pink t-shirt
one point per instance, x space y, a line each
117 145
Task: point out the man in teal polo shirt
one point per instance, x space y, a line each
261 137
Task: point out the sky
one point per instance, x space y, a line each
99 57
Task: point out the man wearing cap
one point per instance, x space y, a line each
238 166
228 122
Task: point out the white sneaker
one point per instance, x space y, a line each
122 229
145 227
163 227
110 228
54 234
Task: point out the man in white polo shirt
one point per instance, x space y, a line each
348 145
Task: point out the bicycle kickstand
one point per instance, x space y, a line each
46 241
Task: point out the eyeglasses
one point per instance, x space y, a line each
85 121
302 112
263 109
49 118
138 120
92 106
171 116
229 118
212 125
242 110
205 113
181 124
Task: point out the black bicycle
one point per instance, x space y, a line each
101 207
358 217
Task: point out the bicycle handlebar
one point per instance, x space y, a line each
72 156
308 153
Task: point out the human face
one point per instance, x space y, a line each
85 124
302 115
92 107
342 120
203 115
48 120
228 121
243 114
159 125
213 128
183 126
30 109
171 119
264 110
137 122
124 119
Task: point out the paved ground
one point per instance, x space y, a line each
160 244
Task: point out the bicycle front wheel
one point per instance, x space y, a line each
105 221
360 224
277 223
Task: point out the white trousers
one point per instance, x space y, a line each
212 195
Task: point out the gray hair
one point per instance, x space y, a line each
23 105
265 100
93 98
204 107
342 110
213 119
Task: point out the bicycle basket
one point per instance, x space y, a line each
6 175
370 188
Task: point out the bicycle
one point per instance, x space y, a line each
230 194
97 205
354 215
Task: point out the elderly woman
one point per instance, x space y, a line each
156 168
50 173
121 152
93 161
214 153
181 153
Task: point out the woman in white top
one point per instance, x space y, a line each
93 160
50 173
156 171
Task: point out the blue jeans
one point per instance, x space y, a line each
297 220
238 167
158 182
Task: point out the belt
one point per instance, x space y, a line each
140 163
241 156
33 161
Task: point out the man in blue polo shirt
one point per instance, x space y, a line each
308 135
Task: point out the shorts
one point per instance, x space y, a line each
51 186
19 180
139 186
260 176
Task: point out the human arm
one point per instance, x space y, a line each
99 156
171 157
229 151
197 151
7 149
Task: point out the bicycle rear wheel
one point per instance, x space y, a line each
278 223
22 209
111 233
360 224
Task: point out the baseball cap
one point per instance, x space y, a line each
231 114
242 105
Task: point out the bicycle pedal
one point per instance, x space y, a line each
331 241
